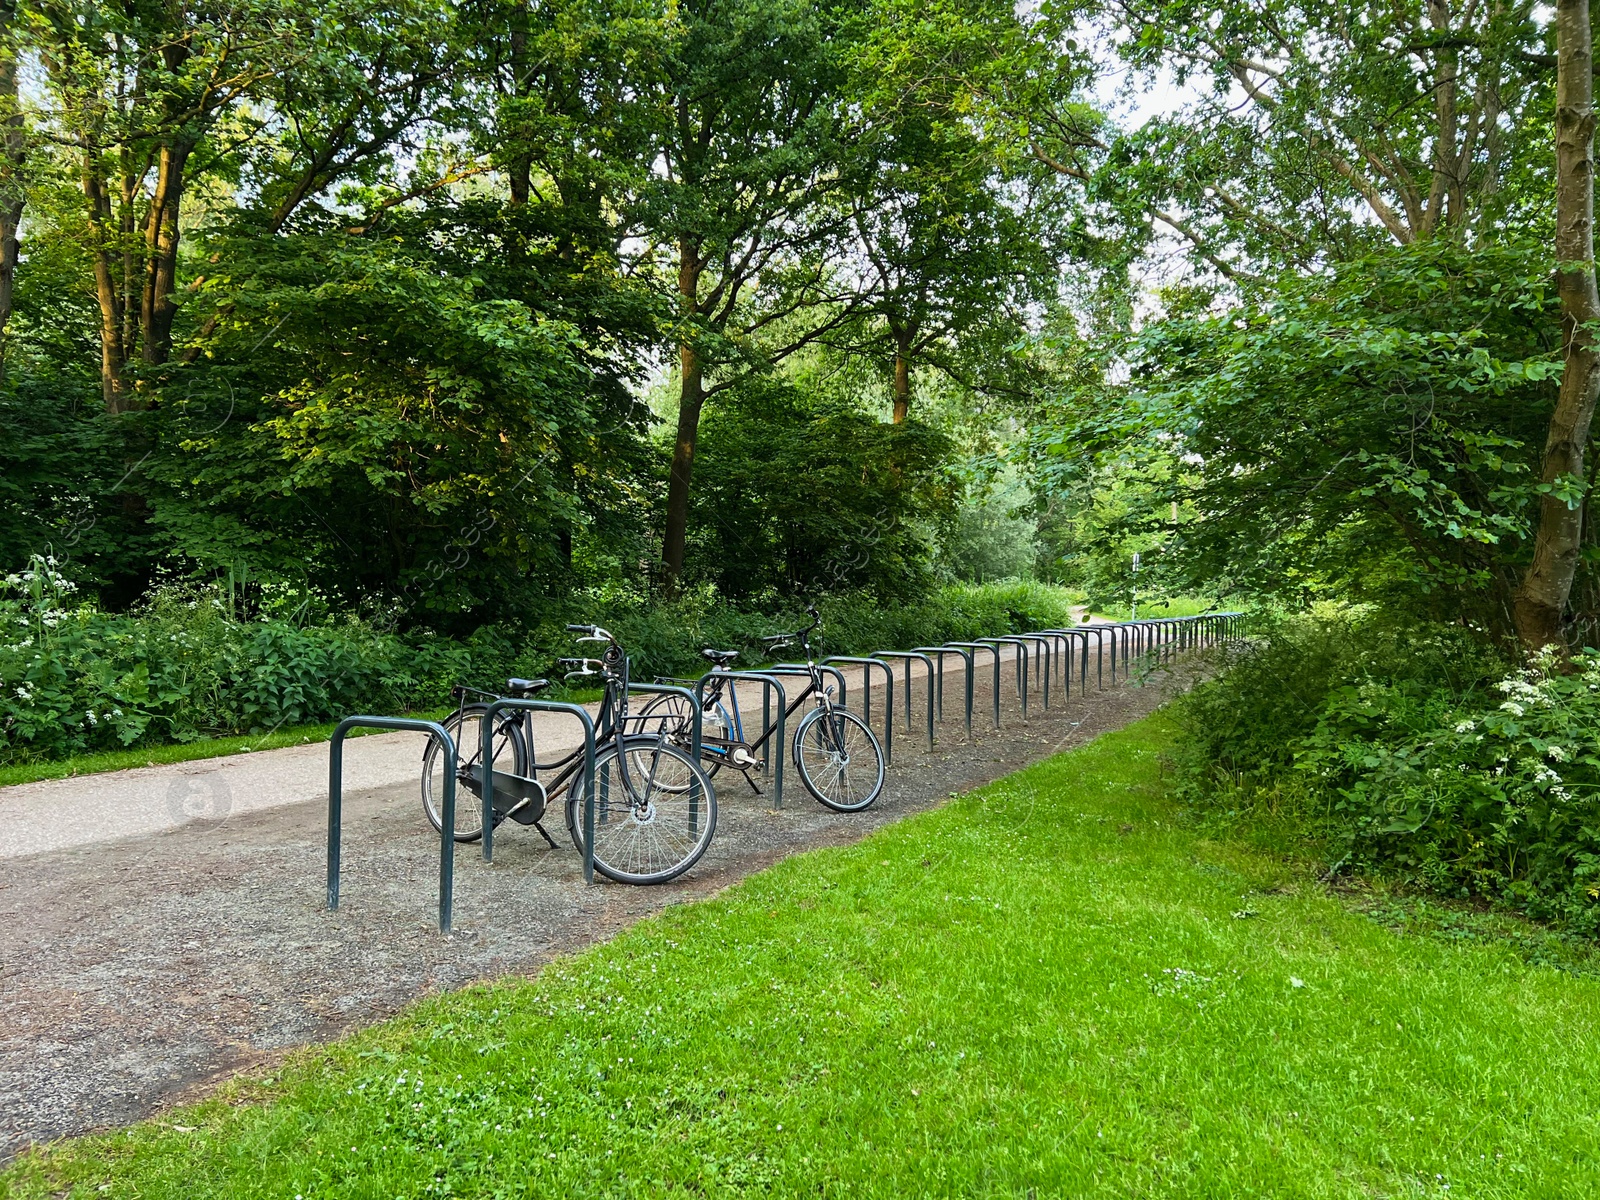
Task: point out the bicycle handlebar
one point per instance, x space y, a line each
799 634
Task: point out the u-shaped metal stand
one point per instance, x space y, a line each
447 825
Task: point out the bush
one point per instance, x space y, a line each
76 679
184 666
1414 752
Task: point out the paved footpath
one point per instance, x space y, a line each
163 927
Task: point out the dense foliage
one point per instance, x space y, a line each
1410 750
377 315
1373 433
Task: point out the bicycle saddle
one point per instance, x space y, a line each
526 687
721 657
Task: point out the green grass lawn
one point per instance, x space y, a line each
1053 986
1157 606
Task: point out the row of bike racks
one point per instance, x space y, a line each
1051 652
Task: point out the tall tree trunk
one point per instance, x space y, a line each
1446 71
13 151
1542 600
691 396
902 376
157 304
107 292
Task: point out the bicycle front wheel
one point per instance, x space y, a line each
839 759
466 727
653 821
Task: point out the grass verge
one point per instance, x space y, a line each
1053 986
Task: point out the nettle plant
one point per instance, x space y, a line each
39 702
1496 796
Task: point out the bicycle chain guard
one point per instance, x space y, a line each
515 796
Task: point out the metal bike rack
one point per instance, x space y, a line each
1098 632
909 656
798 670
866 704
966 657
1043 654
1161 639
1070 638
769 685
1022 665
486 727
447 830
994 653
1062 645
803 671
1076 645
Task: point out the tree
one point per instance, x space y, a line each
753 130
1541 602
158 104
1368 433
951 254
13 157
803 491
137 93
1317 132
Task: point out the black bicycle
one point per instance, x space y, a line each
655 808
838 756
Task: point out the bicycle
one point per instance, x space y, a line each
839 758
667 812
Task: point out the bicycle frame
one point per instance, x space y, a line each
724 747
723 682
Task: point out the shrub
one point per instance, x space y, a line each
1412 751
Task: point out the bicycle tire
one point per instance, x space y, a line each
827 742
654 849
510 755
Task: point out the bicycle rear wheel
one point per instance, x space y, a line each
466 727
654 824
672 716
839 759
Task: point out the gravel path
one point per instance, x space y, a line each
136 971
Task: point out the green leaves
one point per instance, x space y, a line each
1374 431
